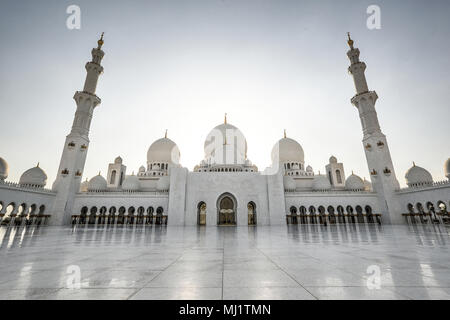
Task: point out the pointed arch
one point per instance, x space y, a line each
201 213
226 209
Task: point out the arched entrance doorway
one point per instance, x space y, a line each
201 211
251 213
226 207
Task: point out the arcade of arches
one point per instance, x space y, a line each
13 214
428 212
122 215
330 215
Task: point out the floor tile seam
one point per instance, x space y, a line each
287 274
146 283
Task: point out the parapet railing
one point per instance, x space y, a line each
420 186
329 191
15 185
123 192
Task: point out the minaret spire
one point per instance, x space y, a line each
357 68
375 144
350 41
100 41
73 158
93 68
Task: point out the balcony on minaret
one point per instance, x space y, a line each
81 96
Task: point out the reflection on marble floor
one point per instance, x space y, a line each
285 262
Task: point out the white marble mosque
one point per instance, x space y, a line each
225 188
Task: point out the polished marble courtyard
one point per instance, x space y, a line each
283 262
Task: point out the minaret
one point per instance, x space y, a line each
74 154
378 157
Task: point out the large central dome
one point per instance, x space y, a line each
225 144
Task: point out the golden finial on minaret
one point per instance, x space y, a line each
165 136
225 120
100 41
284 133
350 41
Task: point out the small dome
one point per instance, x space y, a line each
142 169
33 177
118 160
3 169
354 182
333 159
131 183
84 186
447 168
367 185
163 183
163 150
287 150
97 183
321 183
289 183
309 169
418 176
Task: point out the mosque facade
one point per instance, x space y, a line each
225 188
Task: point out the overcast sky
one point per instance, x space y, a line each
180 65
